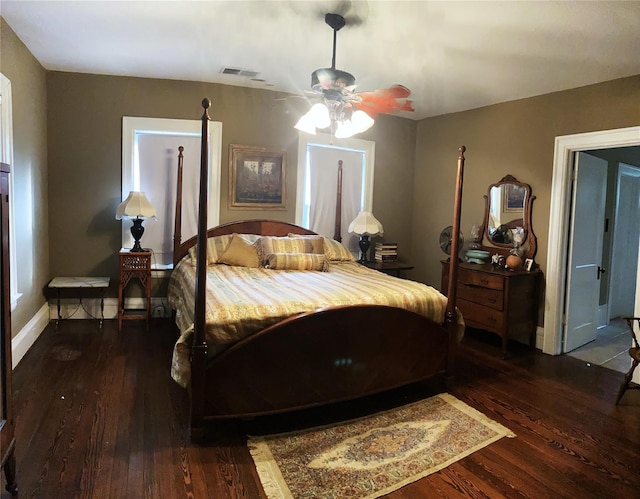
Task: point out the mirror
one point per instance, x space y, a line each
507 217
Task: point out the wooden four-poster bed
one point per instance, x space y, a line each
330 351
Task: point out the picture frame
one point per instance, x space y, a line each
528 264
256 178
514 197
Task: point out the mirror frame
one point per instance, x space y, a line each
530 246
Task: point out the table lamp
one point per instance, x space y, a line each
136 208
365 225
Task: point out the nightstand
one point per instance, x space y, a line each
134 265
391 268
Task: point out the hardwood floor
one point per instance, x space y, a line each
98 416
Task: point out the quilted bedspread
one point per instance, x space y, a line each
242 300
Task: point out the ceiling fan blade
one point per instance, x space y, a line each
385 101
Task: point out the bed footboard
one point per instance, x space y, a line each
322 357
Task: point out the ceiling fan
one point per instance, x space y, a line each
347 112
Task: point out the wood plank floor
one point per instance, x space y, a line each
98 416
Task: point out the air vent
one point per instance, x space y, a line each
239 72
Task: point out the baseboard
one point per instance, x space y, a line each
539 337
27 336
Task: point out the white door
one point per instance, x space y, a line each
626 233
585 251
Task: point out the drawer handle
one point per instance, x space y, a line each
491 319
492 300
484 282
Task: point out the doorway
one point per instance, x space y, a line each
560 212
608 339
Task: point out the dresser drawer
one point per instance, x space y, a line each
492 298
482 317
481 279
487 297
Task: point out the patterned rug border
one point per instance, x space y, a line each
275 486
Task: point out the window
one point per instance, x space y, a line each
6 156
318 157
149 164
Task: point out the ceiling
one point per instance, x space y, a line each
453 55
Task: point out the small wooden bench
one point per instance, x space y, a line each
59 283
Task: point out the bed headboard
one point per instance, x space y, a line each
261 227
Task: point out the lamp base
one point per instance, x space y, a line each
136 231
364 244
137 248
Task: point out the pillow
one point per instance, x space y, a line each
336 252
240 253
317 242
217 245
296 261
284 244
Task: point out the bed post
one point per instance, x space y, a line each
177 224
199 350
451 315
337 226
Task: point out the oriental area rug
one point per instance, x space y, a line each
374 455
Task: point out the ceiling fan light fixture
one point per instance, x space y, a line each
316 117
332 79
336 88
359 122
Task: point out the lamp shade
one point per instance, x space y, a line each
317 117
135 206
359 122
365 224
344 124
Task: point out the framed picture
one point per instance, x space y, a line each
528 264
514 197
256 178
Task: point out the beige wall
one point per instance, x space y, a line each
84 123
515 137
76 189
30 200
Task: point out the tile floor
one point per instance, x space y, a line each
609 348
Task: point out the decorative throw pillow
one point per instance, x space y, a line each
296 261
336 251
284 244
217 245
317 242
240 253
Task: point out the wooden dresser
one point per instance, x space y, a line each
502 301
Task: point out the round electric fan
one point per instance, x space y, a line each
446 237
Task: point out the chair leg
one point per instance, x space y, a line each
627 380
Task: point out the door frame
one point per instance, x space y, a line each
560 212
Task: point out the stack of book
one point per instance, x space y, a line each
386 252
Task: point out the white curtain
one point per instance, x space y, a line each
323 185
158 164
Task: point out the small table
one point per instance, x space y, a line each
134 265
392 268
59 283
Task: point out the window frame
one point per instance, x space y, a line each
6 132
134 126
367 147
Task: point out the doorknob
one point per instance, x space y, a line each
601 270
